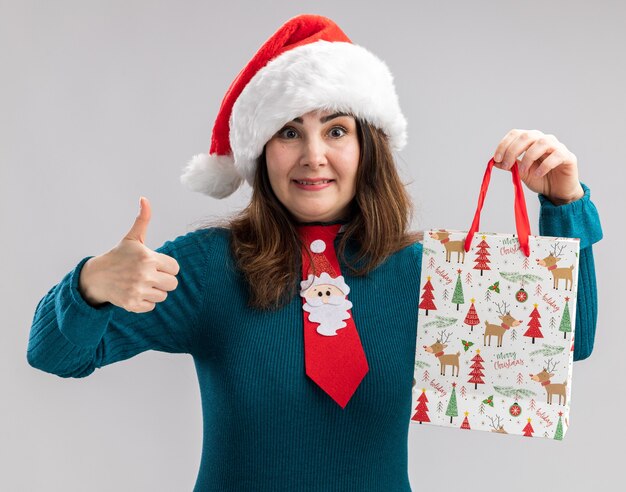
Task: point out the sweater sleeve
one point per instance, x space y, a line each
71 338
578 219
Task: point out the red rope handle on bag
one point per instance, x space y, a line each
521 215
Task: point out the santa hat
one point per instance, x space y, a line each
321 272
307 64
323 279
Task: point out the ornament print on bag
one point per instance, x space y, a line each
334 356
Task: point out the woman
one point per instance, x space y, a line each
310 123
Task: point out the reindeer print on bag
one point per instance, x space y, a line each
508 321
496 425
550 262
444 360
551 388
443 237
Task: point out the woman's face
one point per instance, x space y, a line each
317 147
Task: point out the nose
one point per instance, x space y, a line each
314 152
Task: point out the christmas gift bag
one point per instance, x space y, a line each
495 328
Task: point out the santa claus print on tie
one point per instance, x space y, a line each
326 302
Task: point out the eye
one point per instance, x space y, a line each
328 293
319 294
288 133
338 128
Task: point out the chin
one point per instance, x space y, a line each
312 216
309 218
321 218
322 211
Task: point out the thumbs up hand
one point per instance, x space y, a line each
131 275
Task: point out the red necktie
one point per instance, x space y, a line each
333 353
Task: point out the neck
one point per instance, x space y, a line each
321 223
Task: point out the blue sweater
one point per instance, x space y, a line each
266 425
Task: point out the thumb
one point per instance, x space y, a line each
138 231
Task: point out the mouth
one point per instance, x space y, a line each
313 181
312 184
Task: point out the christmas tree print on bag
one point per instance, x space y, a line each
497 312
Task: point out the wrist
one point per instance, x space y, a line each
86 282
577 195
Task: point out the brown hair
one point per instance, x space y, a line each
264 239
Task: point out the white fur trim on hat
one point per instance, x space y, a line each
214 175
338 76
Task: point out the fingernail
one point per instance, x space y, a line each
497 158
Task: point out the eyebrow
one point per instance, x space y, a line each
323 119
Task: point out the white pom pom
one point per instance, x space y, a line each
318 246
214 175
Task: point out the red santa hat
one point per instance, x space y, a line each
321 272
307 64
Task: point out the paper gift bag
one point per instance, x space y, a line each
495 328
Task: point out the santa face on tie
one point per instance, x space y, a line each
326 302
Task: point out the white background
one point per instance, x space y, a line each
104 101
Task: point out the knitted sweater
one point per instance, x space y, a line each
267 426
